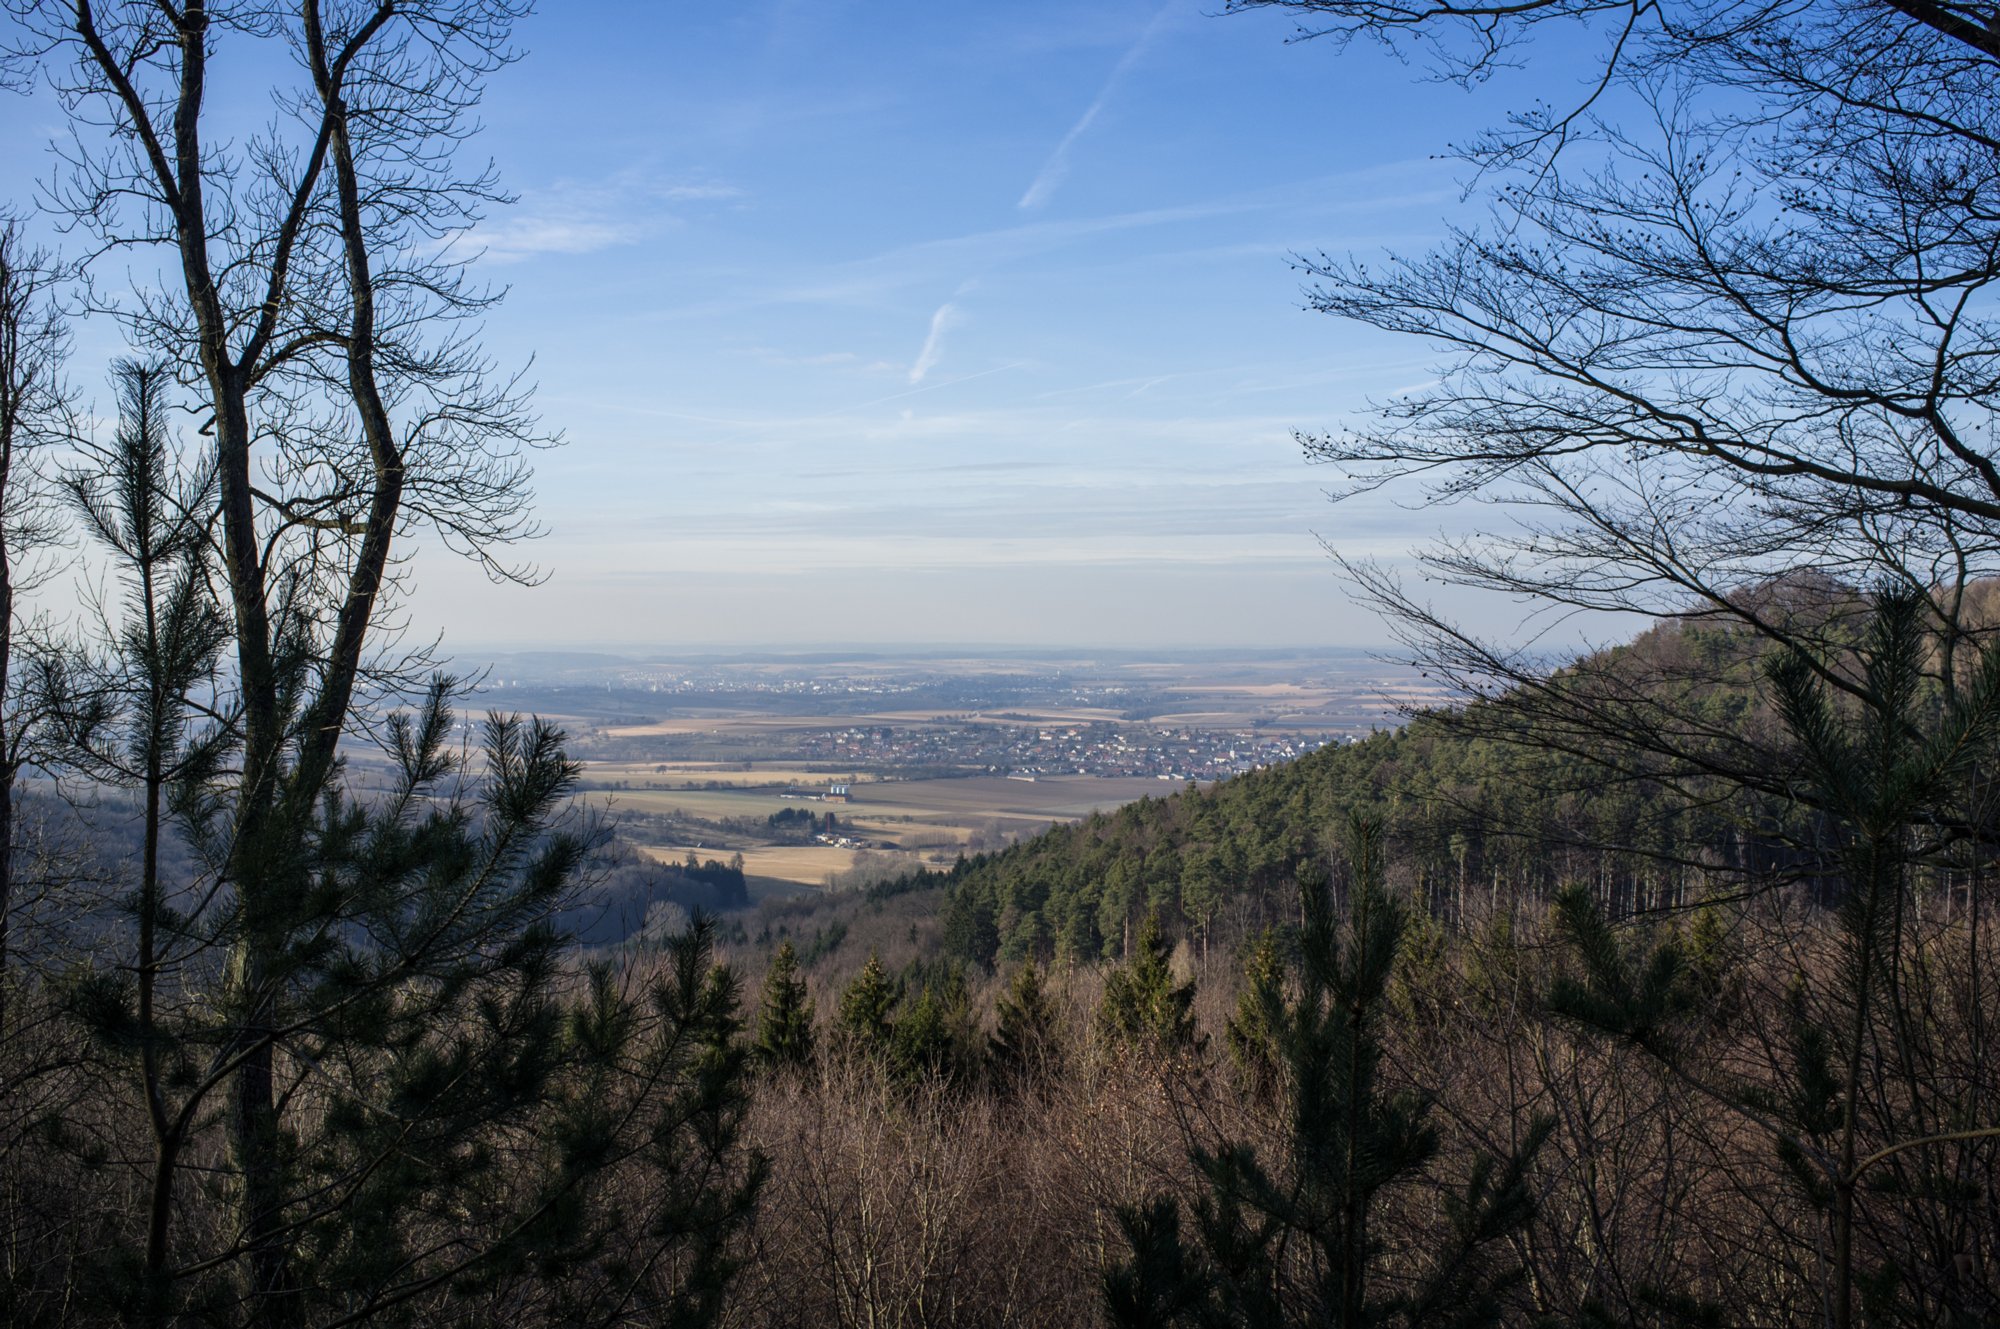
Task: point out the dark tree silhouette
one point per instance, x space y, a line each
35 411
1729 324
1287 1241
348 1026
785 1035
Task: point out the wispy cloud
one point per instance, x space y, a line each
687 193
1056 167
942 321
840 361
520 238
869 279
576 217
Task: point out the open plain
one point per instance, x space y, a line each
831 768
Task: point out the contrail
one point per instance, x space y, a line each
1057 166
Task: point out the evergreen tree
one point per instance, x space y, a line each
934 1039
1204 877
785 1024
1289 1241
1857 1112
971 929
129 710
1024 1043
423 993
866 1008
446 1026
1251 1038
1143 1005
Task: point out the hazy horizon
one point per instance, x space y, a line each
914 650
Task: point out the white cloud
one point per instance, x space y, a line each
520 238
698 192
571 217
942 321
870 279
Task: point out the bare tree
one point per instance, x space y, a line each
315 308
1730 319
1724 357
34 410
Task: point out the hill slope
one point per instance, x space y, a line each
1508 796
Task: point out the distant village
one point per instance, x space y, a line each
1018 722
1102 748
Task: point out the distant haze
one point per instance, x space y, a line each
1129 607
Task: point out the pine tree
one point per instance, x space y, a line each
935 1038
424 981
448 1025
1349 1140
971 927
1204 877
1252 1041
866 1008
1143 1005
1024 1044
785 1024
1854 1106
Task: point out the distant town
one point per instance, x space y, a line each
1026 751
1205 718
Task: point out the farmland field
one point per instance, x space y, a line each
804 865
937 802
1049 797
698 774
902 825
940 754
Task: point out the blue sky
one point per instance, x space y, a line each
915 322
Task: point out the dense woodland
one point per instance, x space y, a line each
1647 986
1565 1121
1637 1037
1477 808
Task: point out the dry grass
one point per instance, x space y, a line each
772 775
1051 797
935 804
806 864
1299 691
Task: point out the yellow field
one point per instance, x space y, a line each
808 865
776 775
1053 797
1200 720
914 812
712 804
1048 715
911 835
1295 690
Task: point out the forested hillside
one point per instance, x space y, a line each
1681 1031
1476 809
